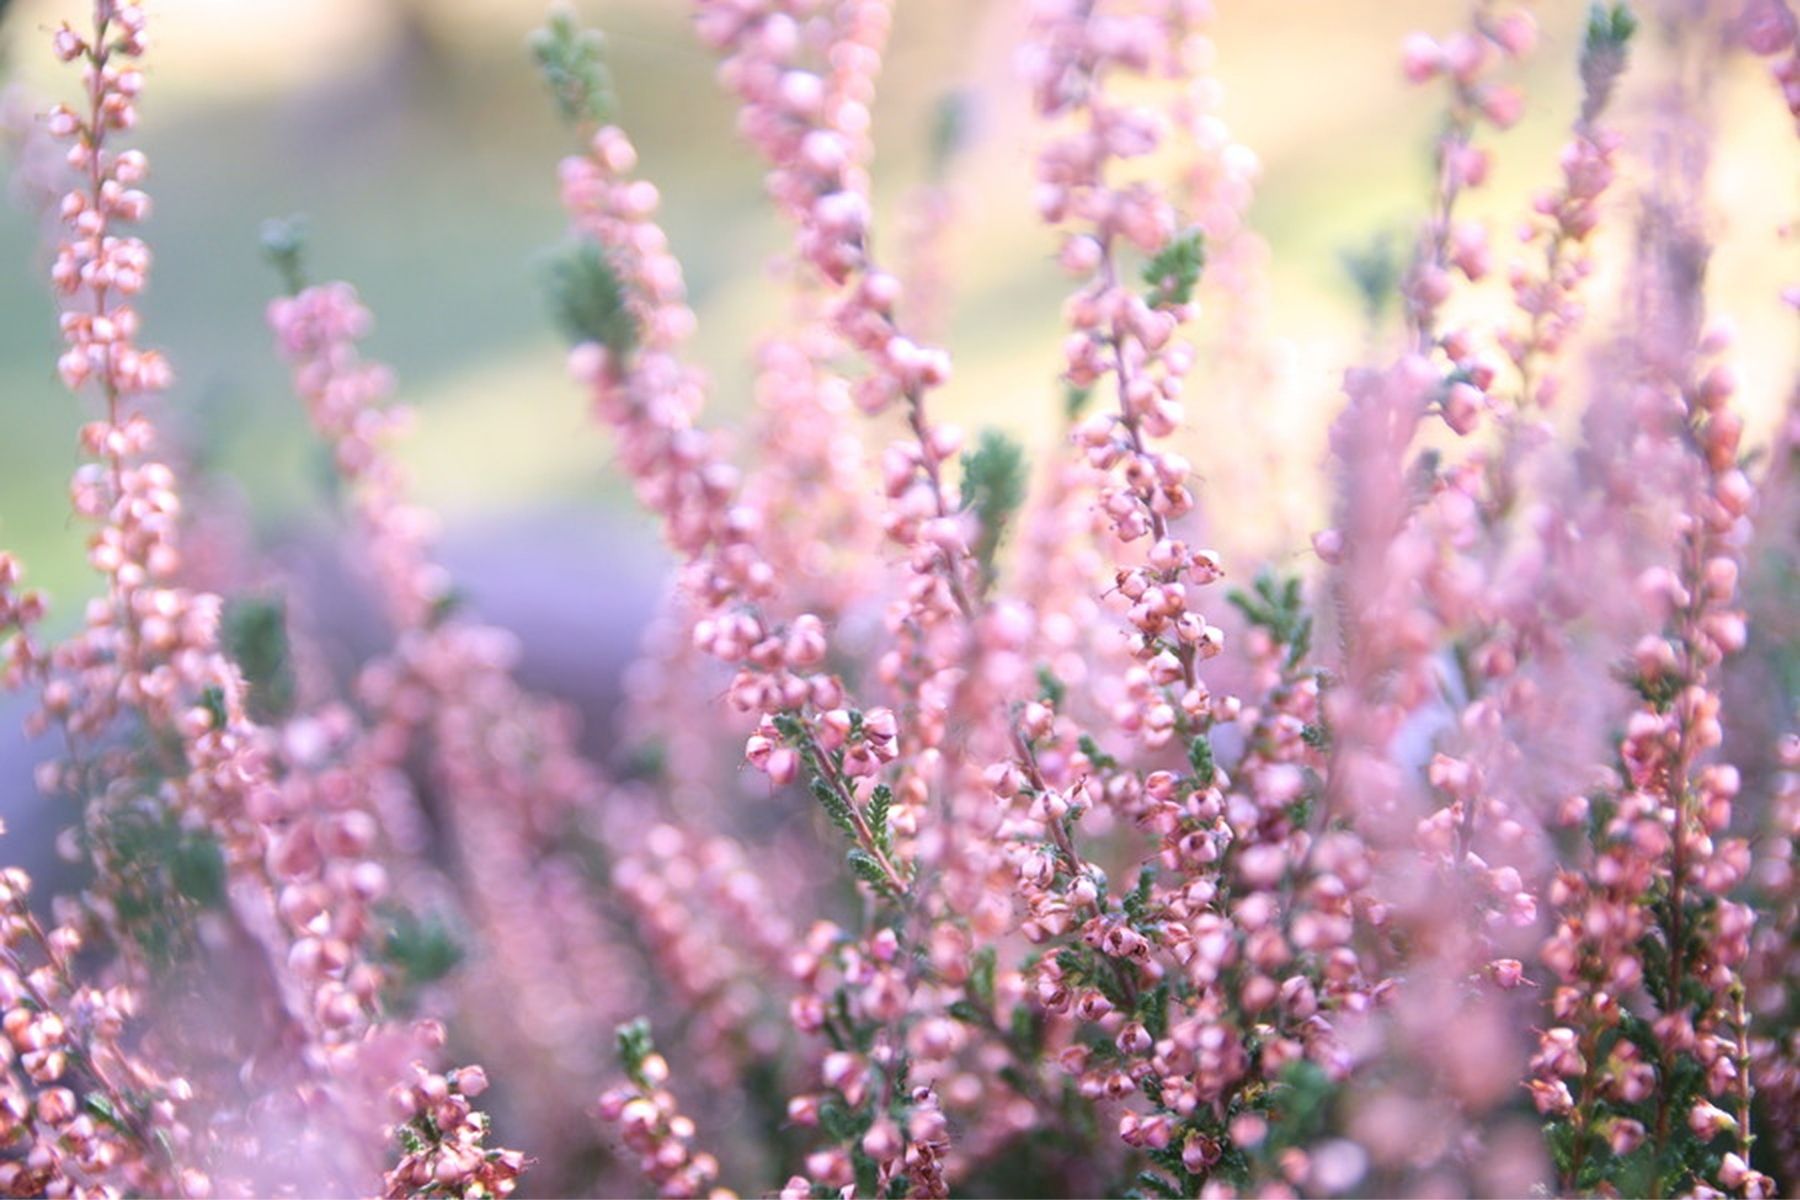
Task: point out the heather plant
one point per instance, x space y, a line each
1077 857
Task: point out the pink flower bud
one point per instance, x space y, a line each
1420 57
783 766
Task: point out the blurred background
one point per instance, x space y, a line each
414 136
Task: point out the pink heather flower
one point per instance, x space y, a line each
1421 57
1485 728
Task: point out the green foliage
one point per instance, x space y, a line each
835 806
1075 401
1279 608
1175 269
1101 759
284 245
1603 54
868 1178
1153 1011
421 949
447 604
1374 271
993 487
569 58
881 800
865 868
635 1045
256 639
212 699
949 129
1050 688
1658 691
1300 1104
589 299
102 1106
1200 757
1583 1157
981 976
197 869
1152 1184
968 1012
842 1123
1609 28
1025 1031
647 760
409 1139
160 874
1137 901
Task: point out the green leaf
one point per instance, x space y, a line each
1200 757
1101 760
589 299
1023 1029
1609 27
1300 1104
1154 1010
569 58
868 1174
422 949
880 801
1075 400
1151 1085
212 699
967 1012
981 976
1301 645
635 1045
839 1122
949 129
197 869
1604 52
103 1108
445 605
834 804
1374 272
1174 270
865 868
256 638
993 487
1155 1185
284 245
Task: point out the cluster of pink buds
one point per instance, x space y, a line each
1466 60
444 1139
1548 296
811 125
652 1124
651 400
317 330
111 268
20 611
1119 335
78 1110
1770 29
713 927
